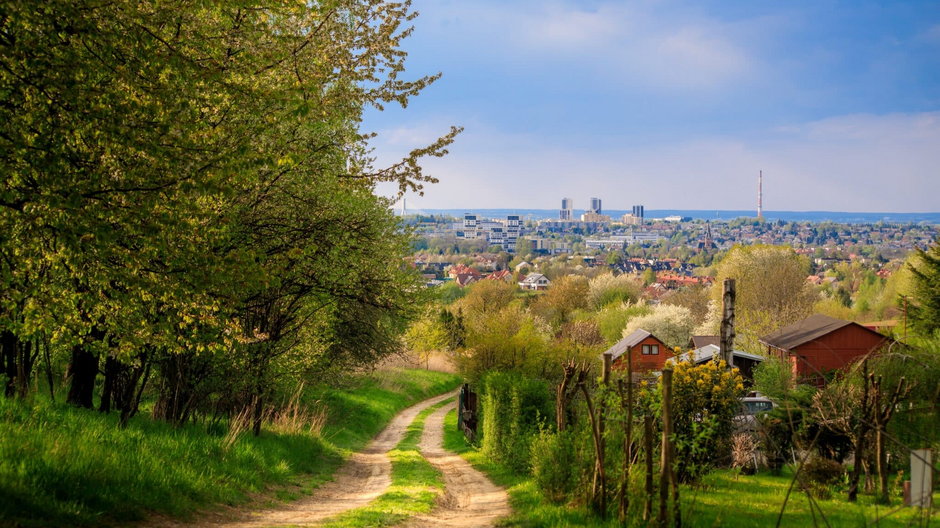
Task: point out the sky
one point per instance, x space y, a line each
674 105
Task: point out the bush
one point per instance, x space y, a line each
512 407
819 473
705 400
554 464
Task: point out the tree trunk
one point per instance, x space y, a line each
82 373
727 323
8 346
860 432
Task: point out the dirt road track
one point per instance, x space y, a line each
365 476
470 500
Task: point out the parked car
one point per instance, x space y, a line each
752 405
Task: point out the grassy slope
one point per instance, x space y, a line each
415 484
65 466
722 500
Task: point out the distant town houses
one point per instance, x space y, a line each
535 282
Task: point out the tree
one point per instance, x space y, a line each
924 310
182 181
672 324
772 291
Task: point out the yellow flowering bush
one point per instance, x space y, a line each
705 400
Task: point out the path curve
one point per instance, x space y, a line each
365 476
470 499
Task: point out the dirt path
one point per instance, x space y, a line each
470 499
365 476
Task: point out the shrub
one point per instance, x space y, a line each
818 474
554 464
705 400
512 406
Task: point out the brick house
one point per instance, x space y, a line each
647 352
820 344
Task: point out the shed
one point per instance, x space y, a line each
648 353
744 361
820 344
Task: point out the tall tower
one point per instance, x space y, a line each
760 195
403 206
595 205
567 204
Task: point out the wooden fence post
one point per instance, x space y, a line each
727 323
665 469
648 447
624 503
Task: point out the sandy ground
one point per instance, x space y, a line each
365 476
470 499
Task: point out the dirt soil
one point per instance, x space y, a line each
470 499
364 477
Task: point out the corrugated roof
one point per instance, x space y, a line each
631 340
801 332
708 352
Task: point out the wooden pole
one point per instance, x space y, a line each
627 440
648 447
665 469
727 323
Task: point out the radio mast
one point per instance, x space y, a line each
760 195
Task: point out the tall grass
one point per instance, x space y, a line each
63 466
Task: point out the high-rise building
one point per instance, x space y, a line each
595 205
567 207
638 212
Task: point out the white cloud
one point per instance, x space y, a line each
637 44
846 163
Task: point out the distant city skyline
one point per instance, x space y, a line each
675 104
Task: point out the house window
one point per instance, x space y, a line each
650 350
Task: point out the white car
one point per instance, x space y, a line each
751 405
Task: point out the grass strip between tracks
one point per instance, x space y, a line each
416 484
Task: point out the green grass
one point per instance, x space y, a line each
722 499
415 484
64 466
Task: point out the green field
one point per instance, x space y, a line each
721 499
65 466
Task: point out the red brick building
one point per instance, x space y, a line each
646 351
819 344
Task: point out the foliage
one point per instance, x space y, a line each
694 298
567 294
556 463
705 400
771 289
924 311
65 466
773 378
512 407
609 288
613 318
673 325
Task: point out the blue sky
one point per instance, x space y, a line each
675 104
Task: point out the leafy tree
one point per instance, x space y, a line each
607 288
924 311
672 324
771 289
566 294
